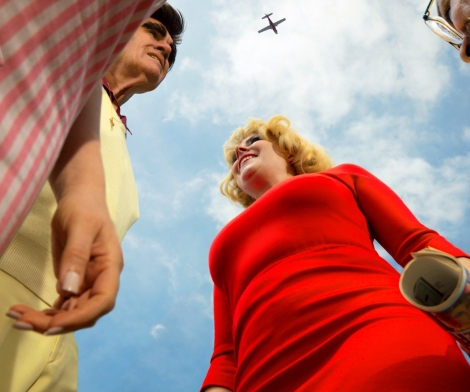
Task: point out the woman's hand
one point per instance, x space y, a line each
86 251
87 260
465 262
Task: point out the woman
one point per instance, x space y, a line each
302 300
81 35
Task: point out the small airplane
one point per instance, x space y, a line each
272 26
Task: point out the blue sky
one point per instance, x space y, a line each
364 78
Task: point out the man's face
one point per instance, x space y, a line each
145 57
457 13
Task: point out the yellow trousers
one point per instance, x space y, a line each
30 361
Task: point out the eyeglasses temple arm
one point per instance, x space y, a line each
427 12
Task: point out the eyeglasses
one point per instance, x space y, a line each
443 29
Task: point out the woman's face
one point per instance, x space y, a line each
258 165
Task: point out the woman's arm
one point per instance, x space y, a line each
221 374
391 222
86 250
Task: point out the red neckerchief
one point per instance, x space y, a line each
113 99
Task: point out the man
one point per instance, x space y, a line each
26 273
457 14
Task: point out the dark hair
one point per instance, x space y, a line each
173 21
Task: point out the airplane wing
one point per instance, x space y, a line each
266 28
279 22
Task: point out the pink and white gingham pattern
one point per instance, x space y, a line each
52 52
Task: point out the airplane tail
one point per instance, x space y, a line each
264 17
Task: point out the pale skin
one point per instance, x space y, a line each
259 165
83 236
457 14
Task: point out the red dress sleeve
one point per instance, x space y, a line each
391 223
221 372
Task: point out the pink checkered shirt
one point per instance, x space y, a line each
52 52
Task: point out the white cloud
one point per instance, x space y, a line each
189 63
153 200
187 190
466 134
437 195
157 330
318 69
393 149
157 261
219 207
202 303
172 198
181 196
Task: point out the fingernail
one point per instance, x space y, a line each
65 305
71 282
13 315
53 331
23 326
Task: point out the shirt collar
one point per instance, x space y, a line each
113 99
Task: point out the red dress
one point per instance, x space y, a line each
303 302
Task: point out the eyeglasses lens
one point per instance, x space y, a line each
444 32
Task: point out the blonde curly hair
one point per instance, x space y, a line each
304 156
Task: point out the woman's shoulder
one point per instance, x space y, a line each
348 174
347 168
337 172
